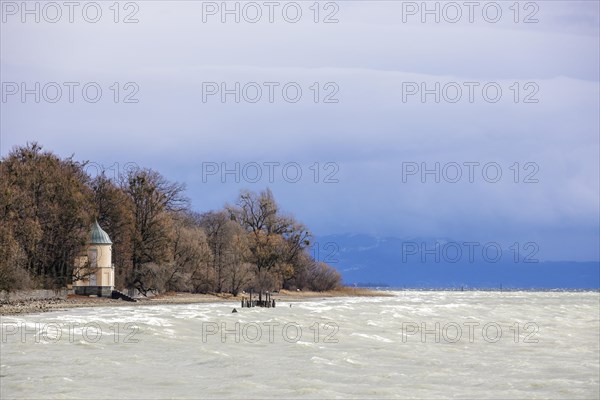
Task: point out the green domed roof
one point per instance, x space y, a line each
98 236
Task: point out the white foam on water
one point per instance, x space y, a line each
372 337
367 350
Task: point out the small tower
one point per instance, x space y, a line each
97 274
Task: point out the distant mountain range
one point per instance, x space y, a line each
443 263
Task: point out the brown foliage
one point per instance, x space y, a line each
45 203
13 275
322 277
48 203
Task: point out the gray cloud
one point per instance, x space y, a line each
369 134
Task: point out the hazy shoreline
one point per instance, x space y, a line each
74 301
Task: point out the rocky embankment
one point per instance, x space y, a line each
28 306
39 306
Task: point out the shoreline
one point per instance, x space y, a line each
171 298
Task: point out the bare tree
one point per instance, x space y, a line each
46 203
239 272
219 233
323 277
153 197
13 275
275 241
190 251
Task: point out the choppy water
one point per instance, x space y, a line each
511 345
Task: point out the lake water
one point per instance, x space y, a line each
412 345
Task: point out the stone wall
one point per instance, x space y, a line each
100 291
41 294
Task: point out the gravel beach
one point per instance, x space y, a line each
76 301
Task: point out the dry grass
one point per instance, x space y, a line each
344 291
365 292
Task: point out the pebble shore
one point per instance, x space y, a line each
74 301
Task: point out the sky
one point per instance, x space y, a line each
376 119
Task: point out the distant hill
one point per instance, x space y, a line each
446 263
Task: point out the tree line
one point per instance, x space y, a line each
48 203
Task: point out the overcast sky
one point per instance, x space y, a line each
368 135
